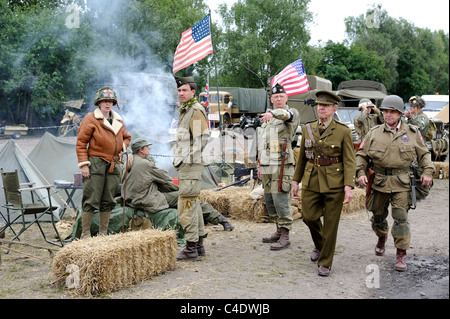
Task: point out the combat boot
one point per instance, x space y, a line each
200 247
86 221
189 252
226 224
283 242
103 223
401 260
380 247
274 238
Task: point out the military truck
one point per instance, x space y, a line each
14 131
234 102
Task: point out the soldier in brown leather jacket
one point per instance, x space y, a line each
326 169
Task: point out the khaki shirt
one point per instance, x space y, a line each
364 122
192 136
281 127
389 150
335 141
143 184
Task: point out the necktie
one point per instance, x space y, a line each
321 127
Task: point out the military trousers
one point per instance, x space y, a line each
210 215
324 235
278 202
378 204
189 209
100 188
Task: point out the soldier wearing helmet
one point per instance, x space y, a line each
416 116
102 139
370 116
392 148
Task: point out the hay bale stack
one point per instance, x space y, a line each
108 263
441 166
358 201
236 202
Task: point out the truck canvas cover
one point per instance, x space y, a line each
247 100
360 89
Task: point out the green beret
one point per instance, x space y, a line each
327 97
277 89
183 80
139 143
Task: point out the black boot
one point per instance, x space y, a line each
189 252
226 224
200 248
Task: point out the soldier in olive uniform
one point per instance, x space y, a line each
392 148
277 132
370 116
416 116
192 136
326 169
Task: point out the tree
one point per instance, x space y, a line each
259 38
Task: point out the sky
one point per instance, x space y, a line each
329 20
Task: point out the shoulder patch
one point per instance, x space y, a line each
413 128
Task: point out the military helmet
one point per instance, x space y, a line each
105 93
393 102
416 101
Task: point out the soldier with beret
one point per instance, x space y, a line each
369 117
416 116
392 148
276 160
102 139
192 136
326 169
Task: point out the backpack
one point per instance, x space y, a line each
431 132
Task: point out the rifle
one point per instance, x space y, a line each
239 183
283 158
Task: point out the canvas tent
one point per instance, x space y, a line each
443 115
12 158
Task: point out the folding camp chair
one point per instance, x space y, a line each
14 204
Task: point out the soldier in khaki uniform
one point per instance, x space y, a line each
277 131
392 147
192 136
416 116
326 169
370 116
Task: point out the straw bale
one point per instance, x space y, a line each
236 202
105 264
358 201
441 166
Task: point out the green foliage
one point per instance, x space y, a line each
44 61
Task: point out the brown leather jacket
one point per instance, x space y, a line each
105 140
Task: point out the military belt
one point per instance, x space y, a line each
325 162
391 171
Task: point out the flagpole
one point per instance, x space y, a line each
218 95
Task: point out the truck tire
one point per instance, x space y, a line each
16 135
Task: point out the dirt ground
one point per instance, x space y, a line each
239 266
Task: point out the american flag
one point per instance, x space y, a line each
195 44
207 94
292 78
